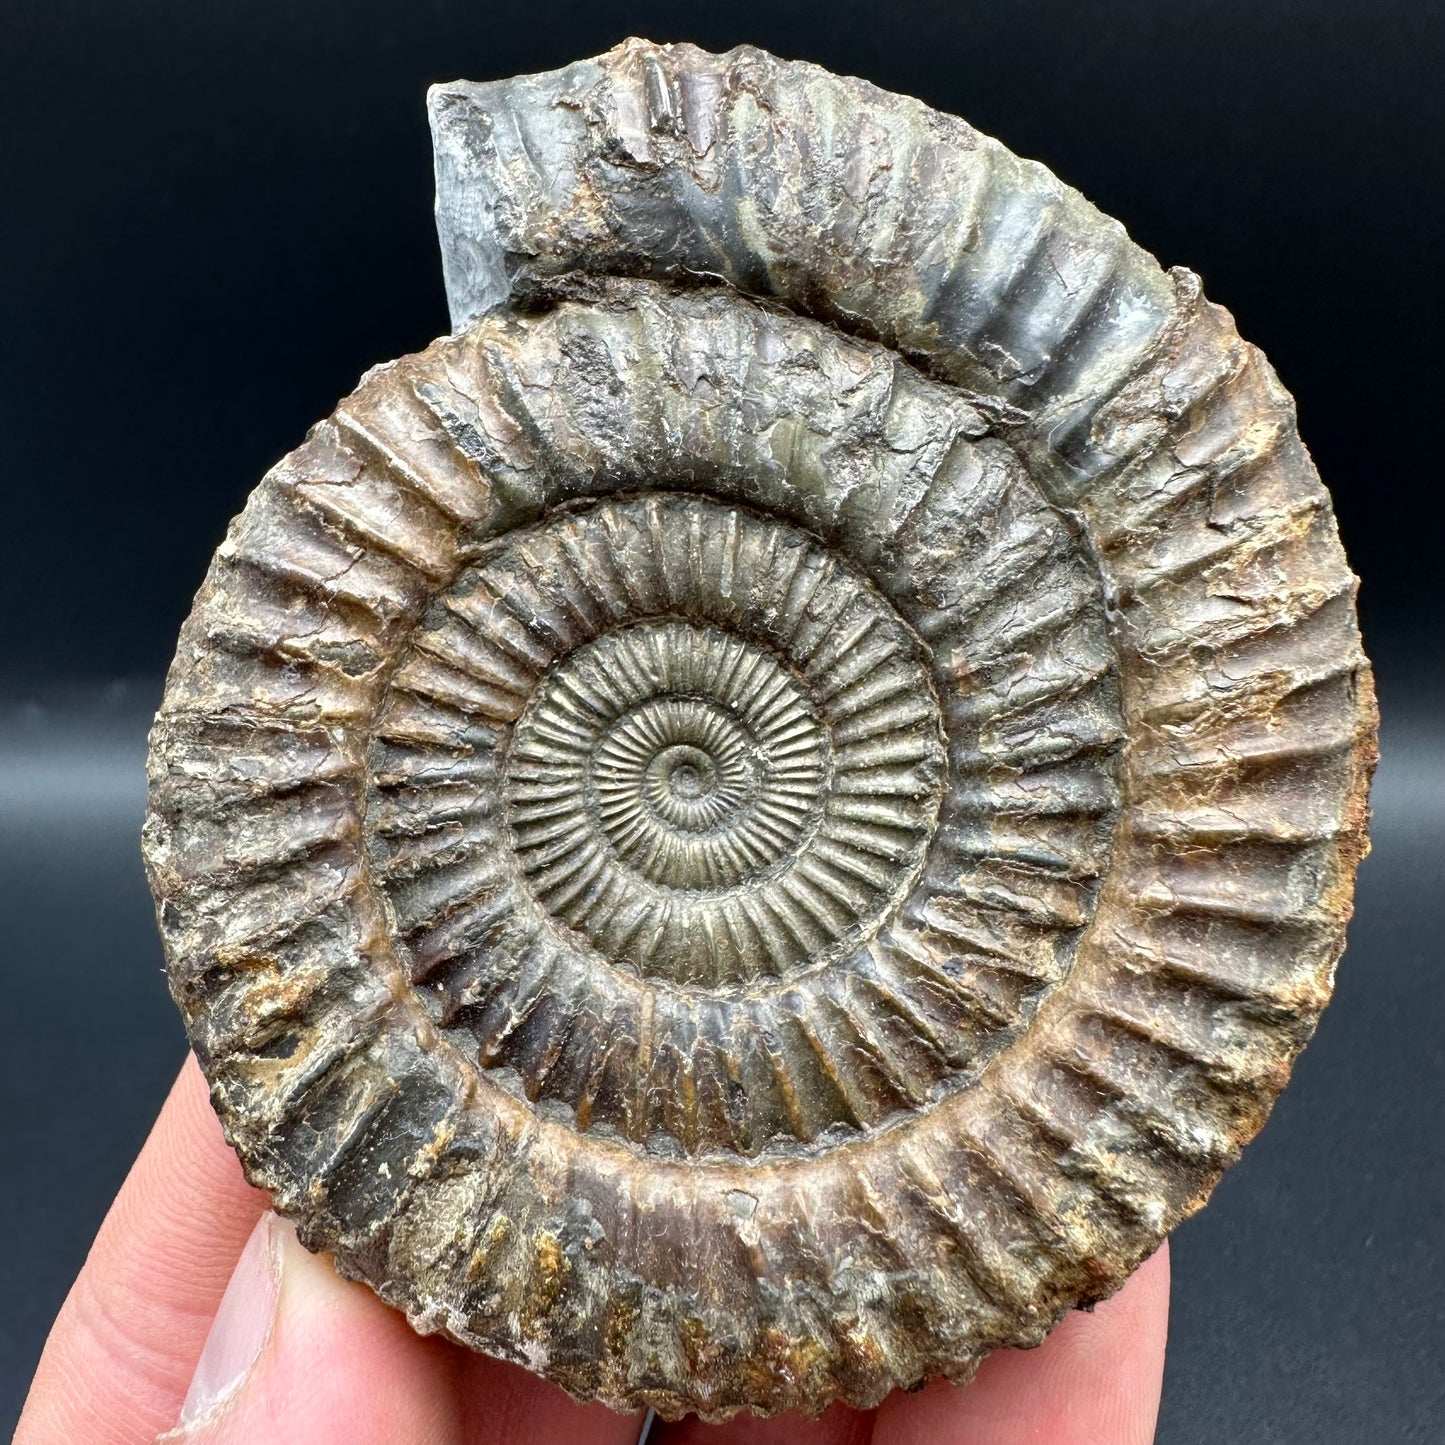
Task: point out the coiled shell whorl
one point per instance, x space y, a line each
769 815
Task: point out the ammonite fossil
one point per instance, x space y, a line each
766 817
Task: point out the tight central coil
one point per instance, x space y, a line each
693 753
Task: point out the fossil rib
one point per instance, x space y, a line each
769 815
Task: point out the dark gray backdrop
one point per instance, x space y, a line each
214 217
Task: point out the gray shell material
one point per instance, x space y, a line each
768 816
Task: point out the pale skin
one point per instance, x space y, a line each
303 1357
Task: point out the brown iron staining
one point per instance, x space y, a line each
767 817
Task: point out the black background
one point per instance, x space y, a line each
214 217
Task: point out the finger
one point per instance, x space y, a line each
503 1404
122 1349
837 1425
299 1355
1094 1381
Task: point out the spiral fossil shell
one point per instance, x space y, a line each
769 815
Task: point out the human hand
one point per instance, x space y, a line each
190 1257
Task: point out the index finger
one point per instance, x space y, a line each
1094 1381
121 1352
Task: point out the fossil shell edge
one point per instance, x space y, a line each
767 817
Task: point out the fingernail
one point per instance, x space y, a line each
241 1324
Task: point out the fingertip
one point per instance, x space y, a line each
837 1425
241 1327
116 1363
335 1366
504 1404
1094 1381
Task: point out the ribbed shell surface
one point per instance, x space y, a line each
768 816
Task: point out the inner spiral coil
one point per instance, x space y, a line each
694 754
707 786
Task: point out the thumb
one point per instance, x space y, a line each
299 1355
